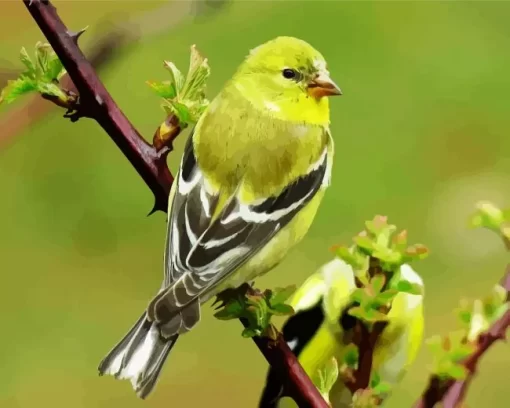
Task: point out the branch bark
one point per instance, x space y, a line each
95 102
453 393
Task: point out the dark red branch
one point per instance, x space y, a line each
150 164
452 393
296 382
366 341
97 103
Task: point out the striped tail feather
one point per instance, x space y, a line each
139 356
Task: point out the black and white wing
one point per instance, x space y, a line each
202 252
192 208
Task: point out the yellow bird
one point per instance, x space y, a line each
317 331
251 179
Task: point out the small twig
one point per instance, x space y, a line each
366 341
151 165
452 393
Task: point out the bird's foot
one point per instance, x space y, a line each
234 294
255 308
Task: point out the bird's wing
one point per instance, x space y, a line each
202 251
193 204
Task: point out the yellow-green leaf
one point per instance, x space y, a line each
409 287
42 52
378 282
351 355
177 77
25 59
16 88
281 295
165 89
457 372
385 297
282 309
197 75
54 69
50 89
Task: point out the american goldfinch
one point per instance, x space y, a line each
253 173
320 328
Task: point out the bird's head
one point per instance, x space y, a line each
289 78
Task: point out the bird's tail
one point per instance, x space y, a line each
139 356
273 391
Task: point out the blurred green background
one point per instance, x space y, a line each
421 135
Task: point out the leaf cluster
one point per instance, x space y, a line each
448 353
258 308
488 215
41 74
476 316
376 258
184 96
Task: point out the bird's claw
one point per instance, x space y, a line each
233 294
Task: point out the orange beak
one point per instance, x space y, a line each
322 85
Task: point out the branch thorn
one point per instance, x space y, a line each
76 35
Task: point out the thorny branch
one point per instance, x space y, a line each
95 102
105 47
452 393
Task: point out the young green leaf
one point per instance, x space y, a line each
377 225
409 287
197 75
325 377
457 372
351 355
250 332
51 89
375 379
385 297
281 309
387 255
177 77
487 215
358 312
383 389
181 111
16 88
165 89
367 315
281 295
464 313
55 70
231 310
364 242
42 52
25 59
378 282
361 296
399 241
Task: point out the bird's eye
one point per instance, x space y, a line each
289 73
